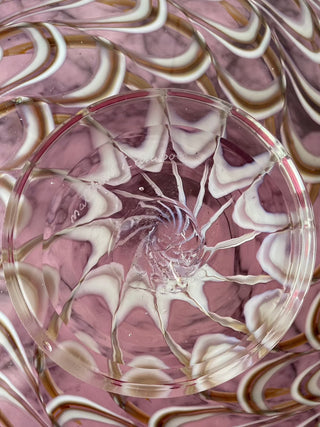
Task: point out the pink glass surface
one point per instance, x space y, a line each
165 247
60 56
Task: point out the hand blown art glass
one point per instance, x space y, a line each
165 249
60 56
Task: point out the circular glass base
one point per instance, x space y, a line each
155 245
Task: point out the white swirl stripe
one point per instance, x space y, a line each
41 55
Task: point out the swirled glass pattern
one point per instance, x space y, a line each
57 57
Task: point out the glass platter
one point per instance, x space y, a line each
58 58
